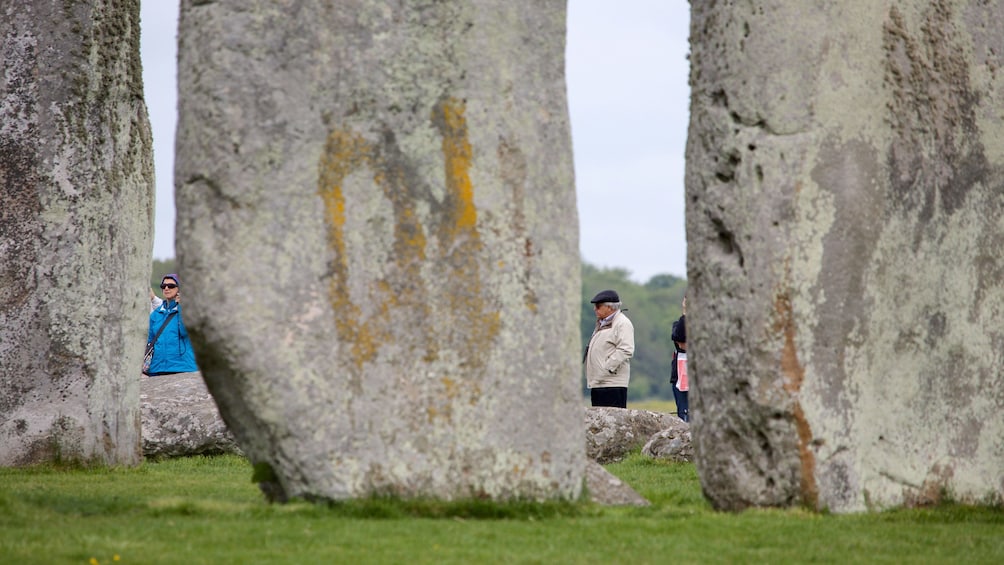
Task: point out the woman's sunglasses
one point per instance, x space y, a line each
163 286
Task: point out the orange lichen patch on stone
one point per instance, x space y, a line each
454 392
477 321
472 320
793 374
457 151
443 403
344 153
791 368
450 387
810 491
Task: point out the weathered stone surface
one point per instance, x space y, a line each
673 443
845 216
76 179
180 418
380 248
611 433
608 490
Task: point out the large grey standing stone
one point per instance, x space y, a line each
845 221
380 243
76 211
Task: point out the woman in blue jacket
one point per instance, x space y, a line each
172 353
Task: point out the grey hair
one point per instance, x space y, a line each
614 305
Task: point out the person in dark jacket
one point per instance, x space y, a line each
172 352
679 337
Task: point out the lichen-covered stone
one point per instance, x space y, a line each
76 210
674 444
612 433
606 489
379 239
845 216
180 418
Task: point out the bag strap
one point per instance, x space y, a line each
161 330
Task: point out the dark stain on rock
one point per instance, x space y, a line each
935 159
20 229
728 245
936 329
850 175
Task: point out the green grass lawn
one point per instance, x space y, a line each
206 510
655 405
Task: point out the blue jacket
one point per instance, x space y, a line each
173 351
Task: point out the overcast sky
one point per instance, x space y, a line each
628 97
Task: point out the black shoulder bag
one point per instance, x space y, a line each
148 356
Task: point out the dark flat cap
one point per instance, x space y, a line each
606 296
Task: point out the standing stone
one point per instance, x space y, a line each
378 234
845 221
76 210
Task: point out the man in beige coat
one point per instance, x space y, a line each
608 356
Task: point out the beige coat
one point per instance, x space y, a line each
608 359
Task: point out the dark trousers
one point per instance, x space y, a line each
682 408
614 396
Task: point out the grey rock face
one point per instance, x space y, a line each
180 418
76 178
673 443
611 433
844 223
606 489
380 243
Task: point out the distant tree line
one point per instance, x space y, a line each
652 307
161 268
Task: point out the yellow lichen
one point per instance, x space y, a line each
471 322
344 153
457 152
